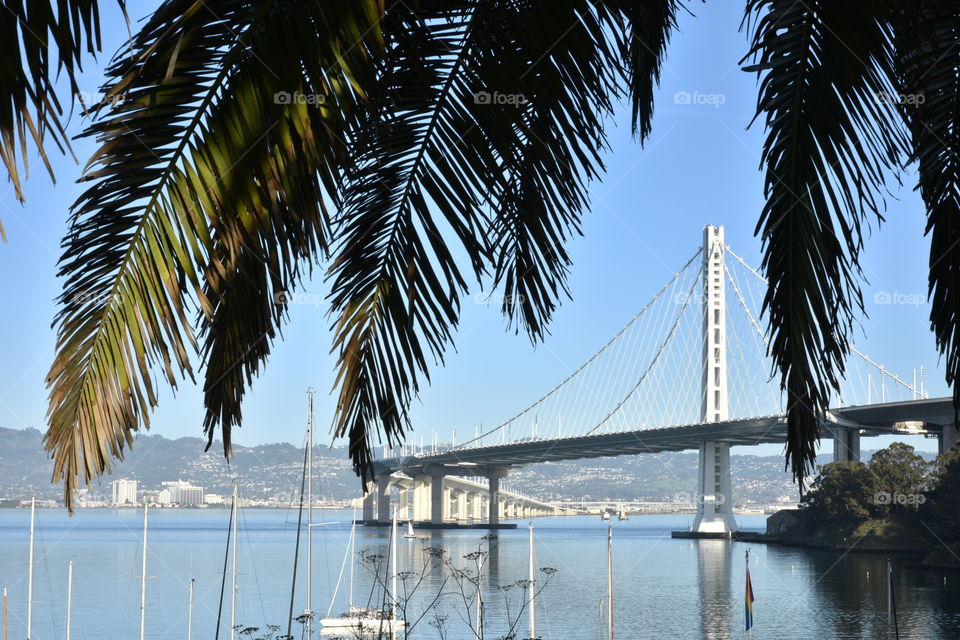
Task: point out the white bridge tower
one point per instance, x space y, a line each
714 503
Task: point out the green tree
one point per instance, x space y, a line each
243 143
902 475
942 509
842 495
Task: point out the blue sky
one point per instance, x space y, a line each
700 166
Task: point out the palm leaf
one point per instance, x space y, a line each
192 184
482 108
832 133
927 37
39 38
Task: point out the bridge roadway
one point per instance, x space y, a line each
913 417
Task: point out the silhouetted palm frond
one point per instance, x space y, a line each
487 120
832 134
927 38
39 39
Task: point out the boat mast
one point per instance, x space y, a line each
531 591
33 516
309 610
353 538
233 571
4 612
610 582
190 611
393 562
143 576
69 594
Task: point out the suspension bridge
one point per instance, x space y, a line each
689 371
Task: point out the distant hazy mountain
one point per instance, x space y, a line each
273 471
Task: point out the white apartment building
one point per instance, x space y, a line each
124 492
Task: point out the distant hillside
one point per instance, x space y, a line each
273 471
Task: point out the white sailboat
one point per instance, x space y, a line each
365 622
410 535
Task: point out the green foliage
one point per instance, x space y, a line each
842 495
942 509
902 476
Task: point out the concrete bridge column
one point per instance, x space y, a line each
383 497
437 500
846 444
369 497
421 498
715 504
404 504
493 502
462 506
477 510
948 438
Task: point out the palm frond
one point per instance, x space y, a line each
645 33
467 89
39 39
927 37
832 135
198 163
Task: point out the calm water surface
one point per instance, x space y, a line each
664 588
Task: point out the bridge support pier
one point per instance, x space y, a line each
404 504
437 495
714 500
421 498
383 497
369 498
493 504
949 437
846 444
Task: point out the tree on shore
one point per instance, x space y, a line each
416 151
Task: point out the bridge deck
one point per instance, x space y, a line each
929 414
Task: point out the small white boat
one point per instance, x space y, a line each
410 535
605 515
368 622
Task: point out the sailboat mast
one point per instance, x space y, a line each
4 612
190 611
531 591
393 561
610 581
309 610
33 517
69 595
143 576
233 571
353 538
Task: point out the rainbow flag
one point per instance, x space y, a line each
748 602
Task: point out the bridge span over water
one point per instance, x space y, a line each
689 371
